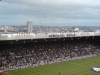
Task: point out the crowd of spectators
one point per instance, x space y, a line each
17 55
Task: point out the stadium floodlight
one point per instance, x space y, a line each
9 36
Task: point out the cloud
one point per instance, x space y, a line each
50 11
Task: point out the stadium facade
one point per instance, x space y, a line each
48 37
23 36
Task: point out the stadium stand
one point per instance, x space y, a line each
22 53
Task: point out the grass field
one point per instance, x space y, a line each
73 67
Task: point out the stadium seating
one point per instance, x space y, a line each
17 56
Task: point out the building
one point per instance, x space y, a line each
5 29
76 29
29 27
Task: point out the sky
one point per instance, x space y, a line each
50 12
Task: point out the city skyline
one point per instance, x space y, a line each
50 12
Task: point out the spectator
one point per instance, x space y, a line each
26 55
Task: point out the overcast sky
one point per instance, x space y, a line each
50 12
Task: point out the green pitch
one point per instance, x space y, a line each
73 67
